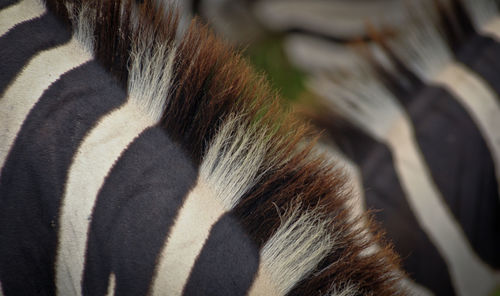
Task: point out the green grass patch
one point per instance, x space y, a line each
268 56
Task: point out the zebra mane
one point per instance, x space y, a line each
256 158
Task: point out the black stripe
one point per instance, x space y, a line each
24 41
35 173
456 24
482 55
309 32
227 264
195 7
7 3
134 213
383 193
461 166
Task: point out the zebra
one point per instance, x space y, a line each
139 158
410 102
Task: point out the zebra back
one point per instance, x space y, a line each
140 159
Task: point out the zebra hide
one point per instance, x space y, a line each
140 159
408 94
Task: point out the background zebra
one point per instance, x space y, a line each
138 159
408 93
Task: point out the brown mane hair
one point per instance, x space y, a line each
211 83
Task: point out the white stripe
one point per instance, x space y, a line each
262 284
92 162
492 28
479 100
468 272
18 13
199 213
346 19
25 91
415 289
111 285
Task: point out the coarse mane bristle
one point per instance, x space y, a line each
212 91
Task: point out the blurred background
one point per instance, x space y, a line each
286 39
406 94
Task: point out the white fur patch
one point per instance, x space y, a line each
422 49
23 11
360 98
150 75
91 164
479 100
111 285
295 249
83 25
23 93
231 165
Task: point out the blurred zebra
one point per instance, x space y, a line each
140 160
408 92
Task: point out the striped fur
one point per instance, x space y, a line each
409 92
139 159
420 87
